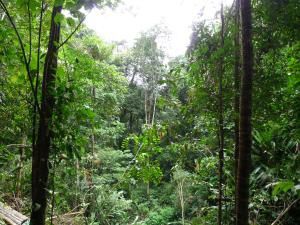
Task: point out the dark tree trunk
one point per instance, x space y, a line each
221 123
40 158
245 138
236 92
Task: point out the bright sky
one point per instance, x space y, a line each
134 16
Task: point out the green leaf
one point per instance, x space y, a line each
70 3
71 22
59 2
21 3
282 186
34 5
59 18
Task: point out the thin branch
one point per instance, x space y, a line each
16 30
37 76
22 48
135 220
69 214
18 146
30 31
66 64
73 32
284 212
230 16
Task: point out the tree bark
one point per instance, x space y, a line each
154 109
146 109
40 158
221 123
245 137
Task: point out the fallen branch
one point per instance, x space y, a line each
69 214
284 212
135 220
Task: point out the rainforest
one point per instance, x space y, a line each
100 132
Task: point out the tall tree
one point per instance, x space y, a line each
42 145
149 68
236 90
40 156
245 137
221 121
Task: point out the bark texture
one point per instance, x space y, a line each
237 70
40 161
245 138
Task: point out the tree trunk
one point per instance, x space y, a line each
40 157
20 167
221 123
154 110
92 127
77 191
146 109
148 189
236 93
245 138
181 196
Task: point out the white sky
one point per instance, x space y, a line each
134 16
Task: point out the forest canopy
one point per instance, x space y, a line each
103 133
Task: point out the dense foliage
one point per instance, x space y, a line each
135 140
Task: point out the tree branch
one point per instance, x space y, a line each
284 212
73 32
18 146
30 31
22 48
37 76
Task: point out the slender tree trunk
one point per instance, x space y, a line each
93 141
93 128
149 103
221 123
181 196
245 138
148 189
40 158
236 93
20 167
154 110
146 109
77 167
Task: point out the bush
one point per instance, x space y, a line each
161 216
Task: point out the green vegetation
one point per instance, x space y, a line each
90 135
